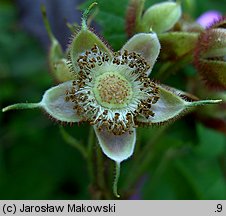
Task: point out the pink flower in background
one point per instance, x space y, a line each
207 18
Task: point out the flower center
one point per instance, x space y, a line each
112 90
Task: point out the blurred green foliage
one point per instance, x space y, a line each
185 160
35 163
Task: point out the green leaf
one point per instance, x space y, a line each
182 169
211 143
205 177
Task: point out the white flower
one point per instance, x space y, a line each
111 91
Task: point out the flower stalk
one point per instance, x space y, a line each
116 179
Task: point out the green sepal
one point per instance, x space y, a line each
171 105
54 103
56 51
84 40
177 44
116 147
210 57
212 44
146 44
161 17
56 106
62 72
213 73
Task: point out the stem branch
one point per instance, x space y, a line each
73 142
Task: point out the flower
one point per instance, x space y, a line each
207 18
112 91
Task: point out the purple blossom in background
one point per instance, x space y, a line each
207 18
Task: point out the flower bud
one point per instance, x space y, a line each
161 17
57 62
210 57
133 16
176 45
61 70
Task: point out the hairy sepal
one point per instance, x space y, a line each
133 16
210 57
62 72
116 147
53 103
161 17
213 73
219 23
146 44
82 41
171 105
58 63
177 44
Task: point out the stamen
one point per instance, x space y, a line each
111 92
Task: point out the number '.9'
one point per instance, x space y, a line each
219 208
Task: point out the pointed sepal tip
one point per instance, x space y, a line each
203 102
85 15
47 24
21 106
